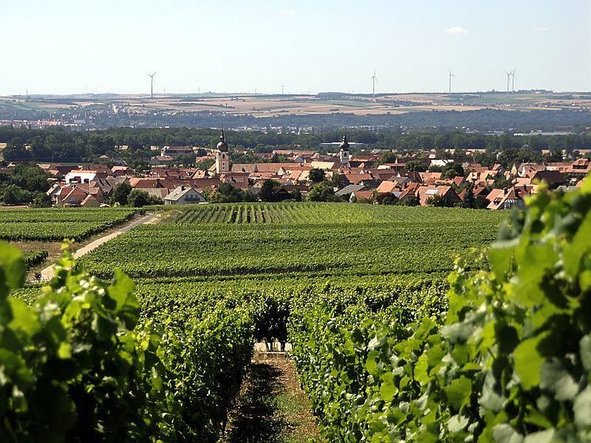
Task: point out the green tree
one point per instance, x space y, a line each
316 175
30 177
487 158
121 193
296 195
415 166
469 200
338 180
185 160
322 192
437 201
205 164
387 199
38 149
452 170
15 150
227 193
269 191
41 200
409 200
13 195
502 182
555 155
139 199
388 157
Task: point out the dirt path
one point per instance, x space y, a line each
271 408
47 273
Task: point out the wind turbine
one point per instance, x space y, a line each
509 74
450 75
513 80
374 79
282 88
152 84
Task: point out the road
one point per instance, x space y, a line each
47 273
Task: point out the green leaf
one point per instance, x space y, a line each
585 352
371 363
585 280
582 408
121 288
388 389
528 362
504 433
457 422
23 317
557 380
458 392
126 302
546 436
489 398
500 255
12 268
65 350
537 258
420 369
577 248
435 354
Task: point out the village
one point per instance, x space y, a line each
410 177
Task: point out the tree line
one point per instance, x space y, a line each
64 145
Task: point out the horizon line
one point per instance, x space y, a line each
279 94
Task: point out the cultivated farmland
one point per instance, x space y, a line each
319 239
58 224
389 345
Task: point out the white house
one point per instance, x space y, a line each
183 195
80 176
439 163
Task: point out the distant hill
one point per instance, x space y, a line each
521 111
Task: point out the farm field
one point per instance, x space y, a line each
271 259
57 224
304 104
398 329
297 239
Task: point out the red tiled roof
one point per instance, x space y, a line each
387 187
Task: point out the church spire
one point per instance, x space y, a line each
222 156
344 152
345 143
222 146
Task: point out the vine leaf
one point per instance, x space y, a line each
528 362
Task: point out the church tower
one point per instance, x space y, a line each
344 152
222 156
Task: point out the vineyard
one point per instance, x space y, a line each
57 224
404 325
328 239
322 213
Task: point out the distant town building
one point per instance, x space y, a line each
344 152
332 145
183 195
80 176
176 151
222 156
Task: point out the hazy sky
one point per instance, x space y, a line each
74 46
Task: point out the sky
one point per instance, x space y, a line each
309 46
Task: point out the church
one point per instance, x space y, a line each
222 156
